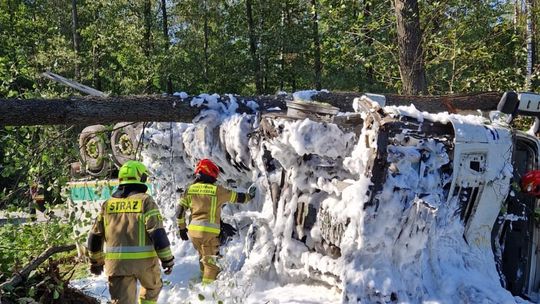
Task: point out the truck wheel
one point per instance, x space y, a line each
124 142
93 149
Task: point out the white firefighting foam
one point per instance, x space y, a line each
405 249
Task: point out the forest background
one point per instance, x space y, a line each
246 47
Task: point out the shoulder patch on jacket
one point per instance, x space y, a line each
202 189
124 205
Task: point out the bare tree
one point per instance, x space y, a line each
253 47
147 13
164 17
286 54
96 61
206 42
531 41
166 36
409 38
284 8
316 45
368 41
517 10
76 36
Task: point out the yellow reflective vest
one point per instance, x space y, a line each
205 202
130 228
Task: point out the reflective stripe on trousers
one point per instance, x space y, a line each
204 227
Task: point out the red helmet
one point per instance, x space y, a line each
207 167
530 182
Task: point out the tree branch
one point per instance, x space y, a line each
25 272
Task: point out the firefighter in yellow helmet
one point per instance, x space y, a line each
131 227
205 200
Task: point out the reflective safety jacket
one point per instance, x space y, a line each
205 202
132 230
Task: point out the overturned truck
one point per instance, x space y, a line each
386 203
426 179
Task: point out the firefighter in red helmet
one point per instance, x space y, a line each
204 199
530 183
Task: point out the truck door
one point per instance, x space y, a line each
515 233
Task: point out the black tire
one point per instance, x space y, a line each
124 142
93 148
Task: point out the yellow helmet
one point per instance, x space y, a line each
132 172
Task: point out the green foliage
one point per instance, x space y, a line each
471 46
35 154
19 243
523 123
49 283
357 44
468 45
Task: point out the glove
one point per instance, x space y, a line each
167 266
96 269
227 232
252 190
183 234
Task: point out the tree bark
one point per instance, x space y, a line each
253 47
456 103
409 38
316 45
167 42
76 36
515 19
147 16
284 8
368 41
529 6
164 17
288 72
96 61
264 59
206 42
94 110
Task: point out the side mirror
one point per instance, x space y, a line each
509 104
527 104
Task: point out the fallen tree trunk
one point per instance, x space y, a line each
94 110
459 103
25 272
